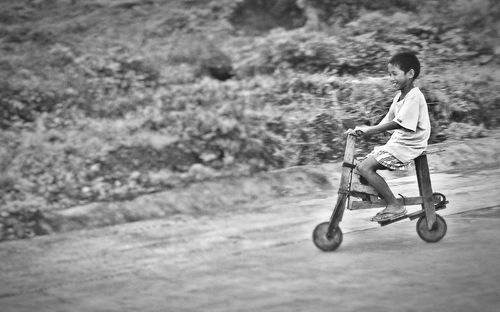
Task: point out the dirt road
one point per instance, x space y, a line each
264 260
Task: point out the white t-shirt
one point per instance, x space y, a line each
411 113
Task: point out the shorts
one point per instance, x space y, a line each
387 160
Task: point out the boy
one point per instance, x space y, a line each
408 118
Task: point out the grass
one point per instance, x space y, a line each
108 100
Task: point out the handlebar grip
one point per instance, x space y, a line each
356 133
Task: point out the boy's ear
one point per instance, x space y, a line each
411 73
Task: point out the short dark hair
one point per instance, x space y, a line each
406 61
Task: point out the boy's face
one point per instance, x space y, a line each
399 78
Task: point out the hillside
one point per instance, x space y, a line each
103 101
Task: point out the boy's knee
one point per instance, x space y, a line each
365 167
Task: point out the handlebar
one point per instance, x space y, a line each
357 133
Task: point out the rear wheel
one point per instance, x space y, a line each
436 233
327 241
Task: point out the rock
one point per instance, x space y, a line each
228 159
42 228
217 64
95 167
87 191
135 175
485 59
221 72
208 156
200 172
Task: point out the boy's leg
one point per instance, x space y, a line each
368 169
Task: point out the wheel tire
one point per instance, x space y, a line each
434 235
323 242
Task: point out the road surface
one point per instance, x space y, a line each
264 260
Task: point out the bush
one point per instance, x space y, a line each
342 12
312 52
463 97
460 130
258 16
203 54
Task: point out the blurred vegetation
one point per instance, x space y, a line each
107 100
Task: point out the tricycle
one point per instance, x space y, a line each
431 227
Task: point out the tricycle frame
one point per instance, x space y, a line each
353 185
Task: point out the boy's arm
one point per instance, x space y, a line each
381 127
388 117
406 118
390 114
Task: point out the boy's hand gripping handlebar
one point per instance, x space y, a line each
355 132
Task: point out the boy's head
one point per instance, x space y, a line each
406 61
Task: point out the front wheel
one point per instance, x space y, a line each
436 233
325 241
